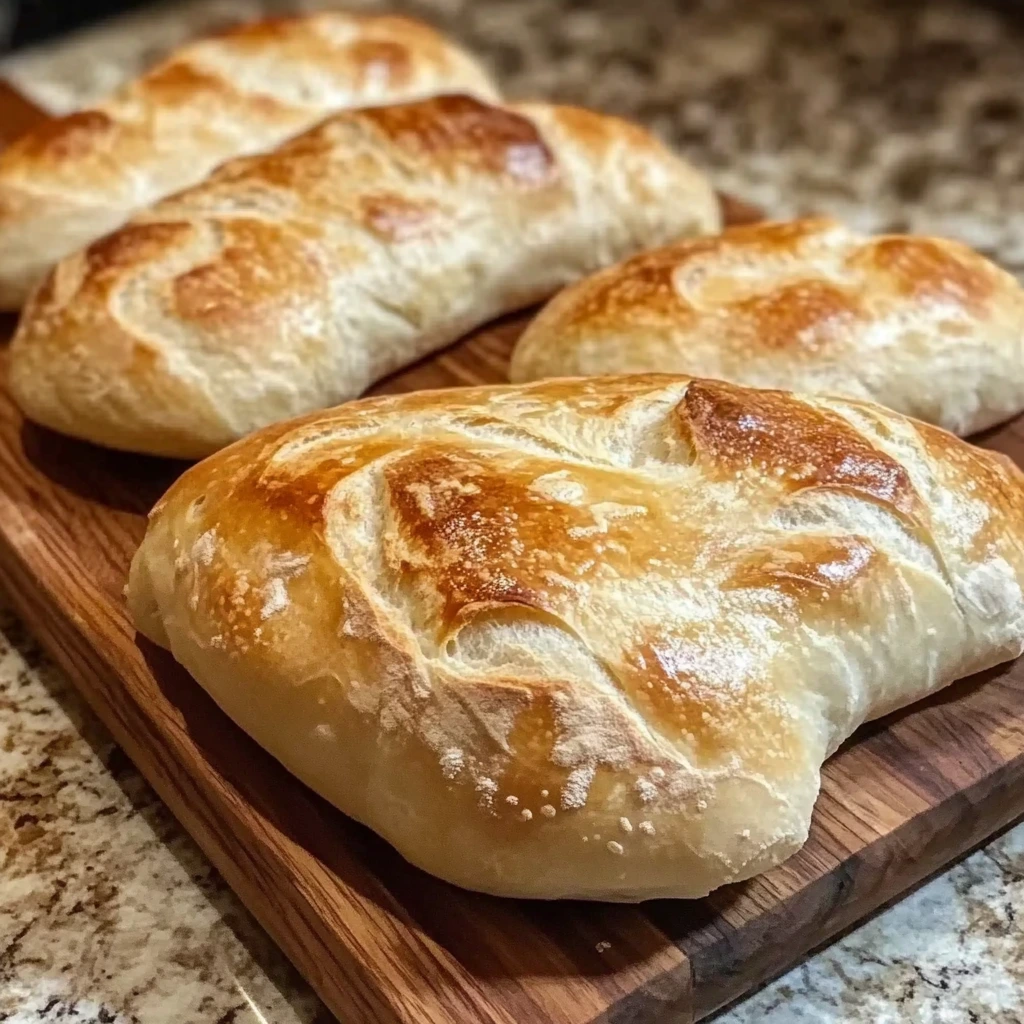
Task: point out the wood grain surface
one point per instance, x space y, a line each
381 941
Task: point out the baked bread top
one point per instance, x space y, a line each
292 280
586 638
925 326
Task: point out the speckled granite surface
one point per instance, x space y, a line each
903 115
108 911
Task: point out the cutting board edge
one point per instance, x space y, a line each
873 889
40 609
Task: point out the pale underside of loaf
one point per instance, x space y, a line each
586 638
74 179
292 281
925 326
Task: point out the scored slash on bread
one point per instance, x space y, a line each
73 179
925 326
588 638
295 279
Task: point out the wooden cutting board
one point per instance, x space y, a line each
381 941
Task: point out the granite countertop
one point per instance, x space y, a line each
894 115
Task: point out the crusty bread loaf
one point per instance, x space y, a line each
293 280
587 638
924 326
76 178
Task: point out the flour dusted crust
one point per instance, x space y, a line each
588 638
75 178
925 326
293 280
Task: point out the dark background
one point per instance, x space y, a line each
28 21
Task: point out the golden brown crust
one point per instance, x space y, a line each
923 325
737 430
459 133
930 269
394 217
293 280
73 179
585 637
65 138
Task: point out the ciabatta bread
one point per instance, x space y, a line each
924 326
74 179
588 638
293 280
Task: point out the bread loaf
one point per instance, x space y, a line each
293 280
924 326
588 638
76 178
